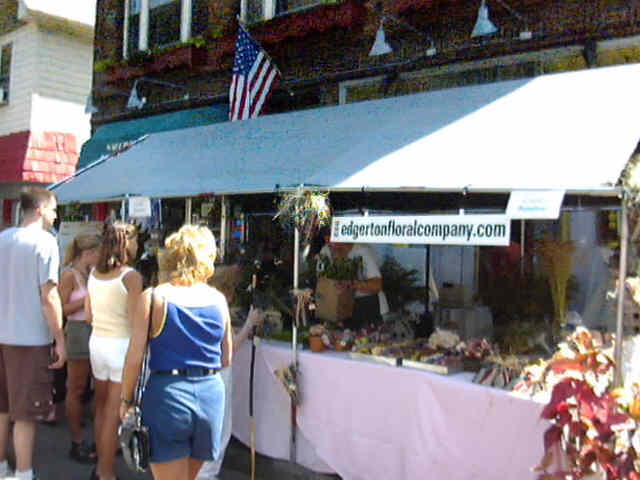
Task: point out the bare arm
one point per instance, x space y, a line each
87 309
227 343
254 318
66 287
133 282
52 308
135 353
371 285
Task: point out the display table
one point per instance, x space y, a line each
368 421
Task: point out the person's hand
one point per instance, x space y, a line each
59 355
125 410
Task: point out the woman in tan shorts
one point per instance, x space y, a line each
80 258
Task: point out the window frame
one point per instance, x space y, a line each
5 79
144 21
270 10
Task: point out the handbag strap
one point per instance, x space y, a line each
137 399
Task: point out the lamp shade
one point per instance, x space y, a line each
134 100
483 25
380 45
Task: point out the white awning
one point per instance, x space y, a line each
572 131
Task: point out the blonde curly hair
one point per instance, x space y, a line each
189 255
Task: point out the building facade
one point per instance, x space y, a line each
322 48
46 59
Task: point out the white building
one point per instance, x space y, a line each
46 58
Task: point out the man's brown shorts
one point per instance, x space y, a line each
25 382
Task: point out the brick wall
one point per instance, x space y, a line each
336 52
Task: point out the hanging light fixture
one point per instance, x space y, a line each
89 107
380 45
483 25
135 101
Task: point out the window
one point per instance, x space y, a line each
5 72
258 10
155 23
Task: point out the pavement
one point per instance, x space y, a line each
52 461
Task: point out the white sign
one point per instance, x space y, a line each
139 207
423 229
70 230
535 204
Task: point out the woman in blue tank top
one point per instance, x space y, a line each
190 340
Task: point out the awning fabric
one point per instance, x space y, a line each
572 131
112 136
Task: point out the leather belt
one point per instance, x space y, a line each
188 372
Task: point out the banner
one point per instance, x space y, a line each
423 229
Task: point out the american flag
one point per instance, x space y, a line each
254 75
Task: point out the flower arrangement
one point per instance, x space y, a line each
557 261
303 210
594 424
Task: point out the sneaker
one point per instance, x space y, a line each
81 453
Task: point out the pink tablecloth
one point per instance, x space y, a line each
367 421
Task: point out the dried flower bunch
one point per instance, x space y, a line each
557 260
303 210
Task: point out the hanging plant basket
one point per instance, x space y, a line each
304 210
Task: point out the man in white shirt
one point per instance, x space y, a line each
30 319
370 302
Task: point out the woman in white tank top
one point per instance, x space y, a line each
114 288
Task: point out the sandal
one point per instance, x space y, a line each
81 453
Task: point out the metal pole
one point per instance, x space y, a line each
522 248
223 227
187 211
294 347
622 274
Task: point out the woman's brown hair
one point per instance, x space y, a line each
81 243
115 240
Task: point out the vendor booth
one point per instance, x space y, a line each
460 154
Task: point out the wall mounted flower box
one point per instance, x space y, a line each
185 56
124 72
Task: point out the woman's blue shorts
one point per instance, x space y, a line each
184 416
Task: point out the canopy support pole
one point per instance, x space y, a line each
222 243
622 274
187 211
522 225
294 340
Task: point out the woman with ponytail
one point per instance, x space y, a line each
80 258
114 288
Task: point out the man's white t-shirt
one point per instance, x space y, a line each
370 269
29 258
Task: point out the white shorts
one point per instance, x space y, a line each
107 356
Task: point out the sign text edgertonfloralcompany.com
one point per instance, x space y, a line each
423 229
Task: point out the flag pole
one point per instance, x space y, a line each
242 24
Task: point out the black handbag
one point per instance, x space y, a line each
134 436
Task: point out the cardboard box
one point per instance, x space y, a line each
333 304
455 295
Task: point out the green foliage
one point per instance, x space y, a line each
303 210
340 268
399 284
104 65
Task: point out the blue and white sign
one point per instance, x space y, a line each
535 204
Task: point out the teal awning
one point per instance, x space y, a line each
112 137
